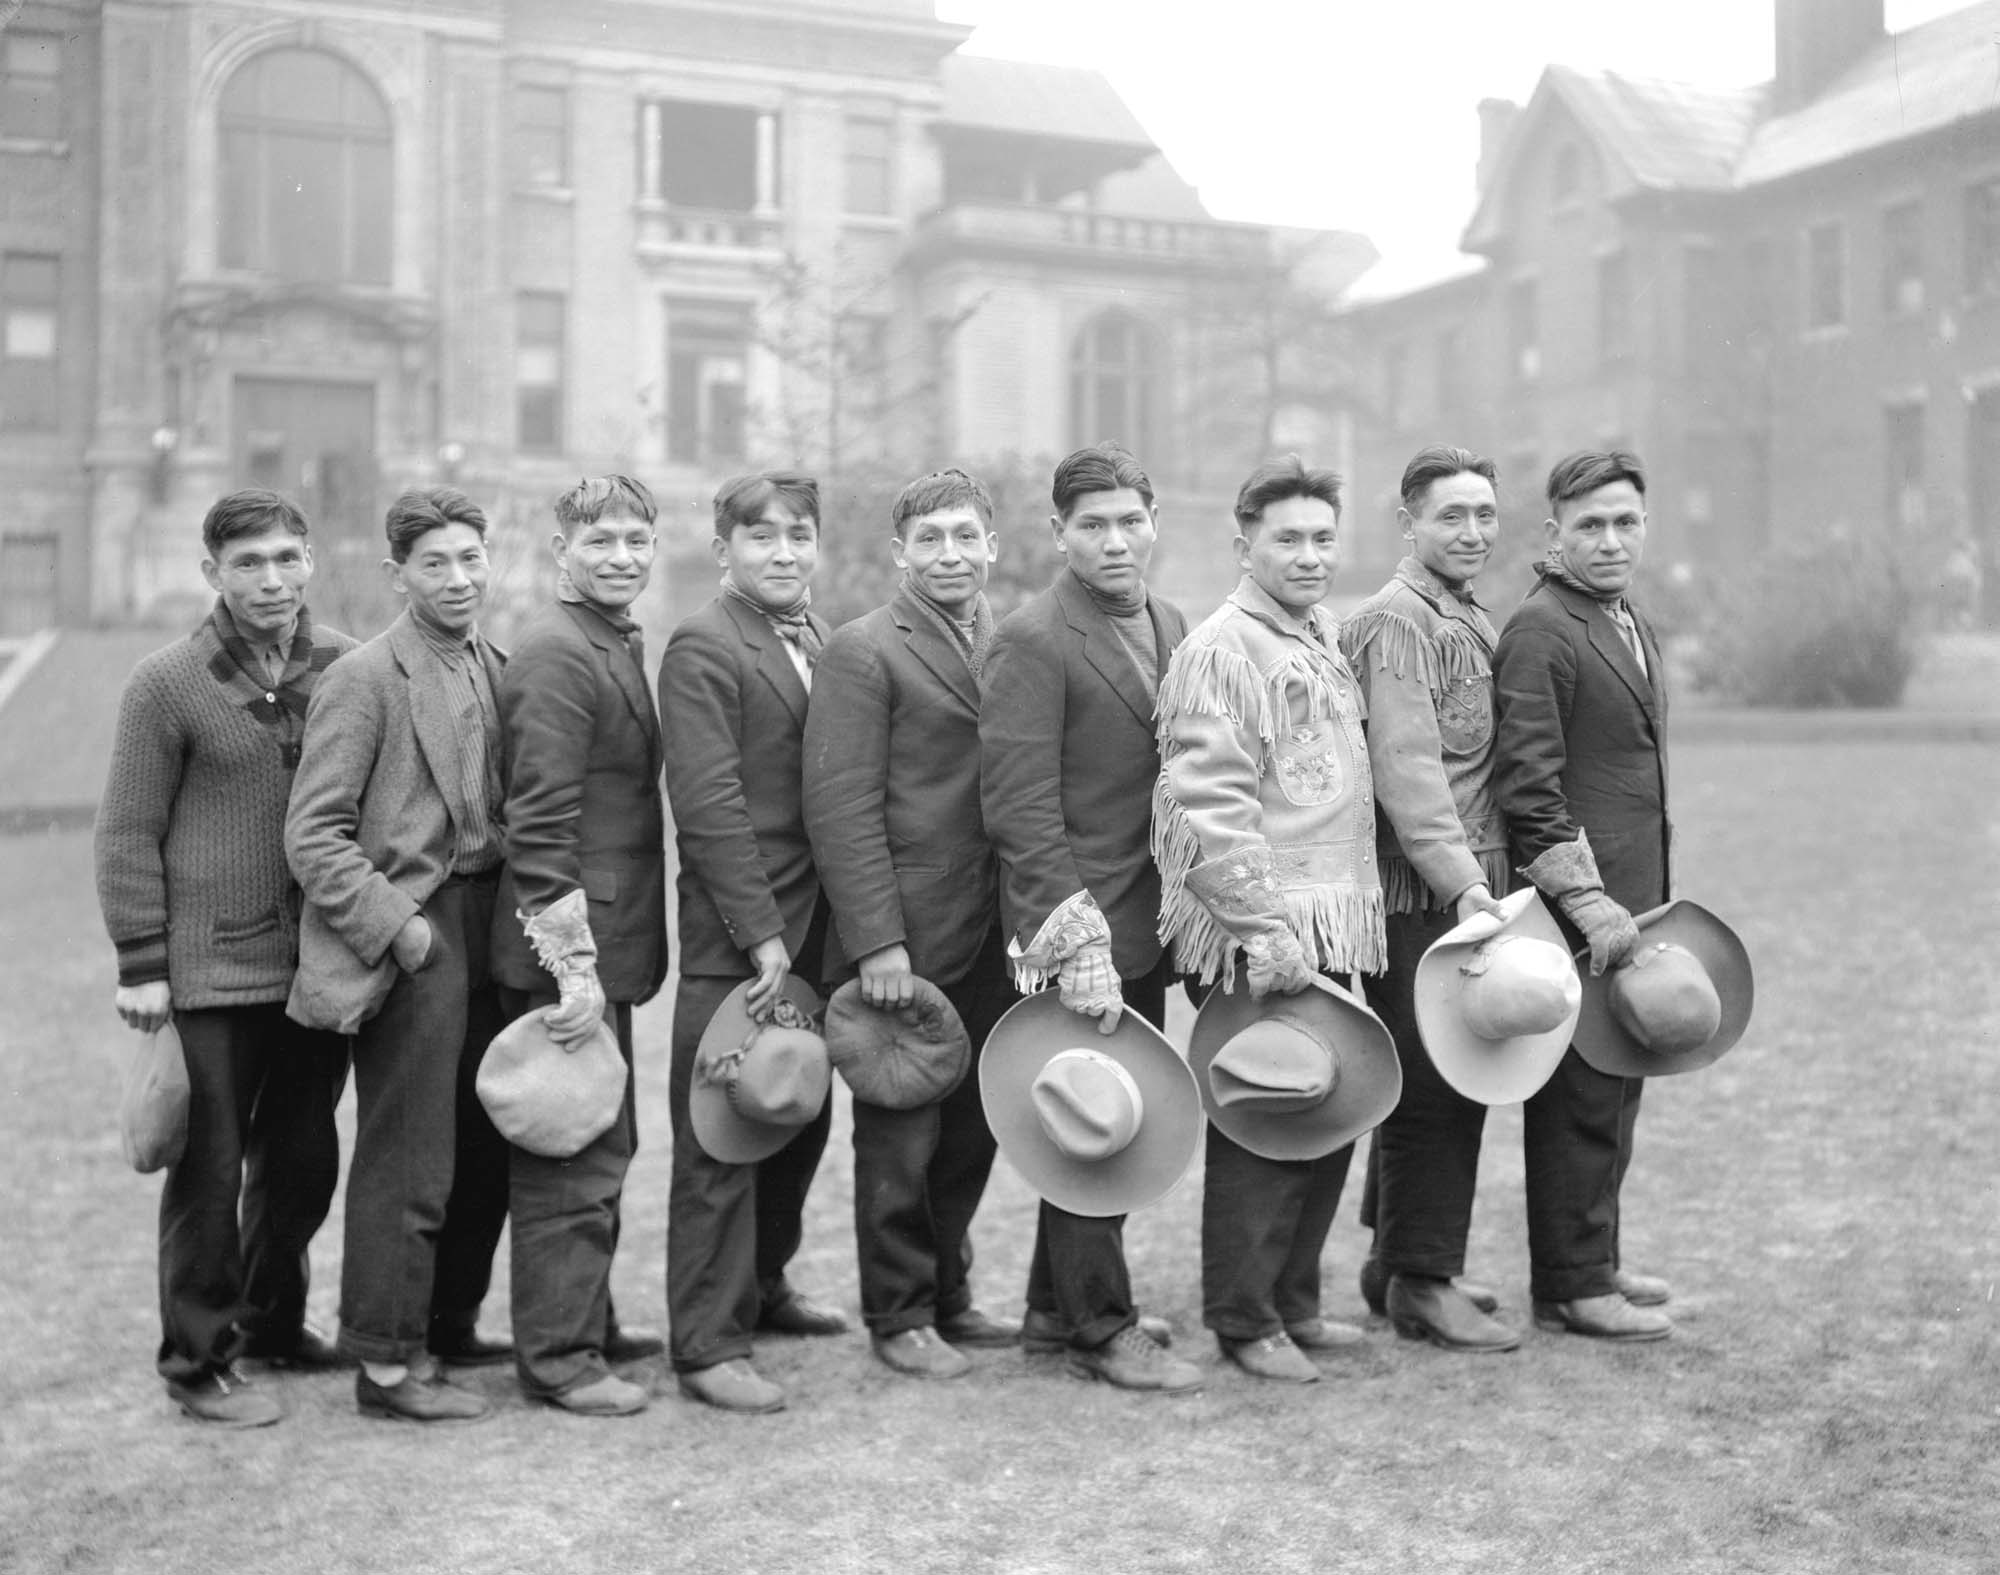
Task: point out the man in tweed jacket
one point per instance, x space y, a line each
191 877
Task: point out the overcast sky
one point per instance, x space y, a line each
1359 114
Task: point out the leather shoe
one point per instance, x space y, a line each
1374 1281
421 1396
1271 1356
919 1353
467 1347
1642 1290
1440 1312
1130 1360
800 1314
733 1385
224 1397
632 1345
606 1396
1606 1317
310 1352
1324 1334
1044 1334
980 1330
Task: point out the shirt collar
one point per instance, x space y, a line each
1252 598
1420 579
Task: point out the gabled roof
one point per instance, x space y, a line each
1027 99
1903 86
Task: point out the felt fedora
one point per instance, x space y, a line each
756 1084
897 1057
1098 1124
1293 1076
1677 1004
549 1098
1497 1001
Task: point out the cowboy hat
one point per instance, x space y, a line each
1677 1004
1293 1076
1497 999
1098 1124
897 1057
549 1098
756 1084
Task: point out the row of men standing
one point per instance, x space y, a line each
478 835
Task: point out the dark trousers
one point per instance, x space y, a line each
1078 1274
1425 1157
564 1233
239 1208
1263 1225
1577 1141
427 1187
731 1229
919 1175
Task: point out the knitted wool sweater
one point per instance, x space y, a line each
190 840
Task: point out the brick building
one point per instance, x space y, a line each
1786 298
339 250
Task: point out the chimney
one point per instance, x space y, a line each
1496 122
1817 40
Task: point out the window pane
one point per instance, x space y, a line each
303 191
29 334
868 166
30 75
708 156
541 419
541 141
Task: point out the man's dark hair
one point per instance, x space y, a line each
741 499
1103 467
250 512
1438 462
1278 479
1588 469
596 496
421 510
941 489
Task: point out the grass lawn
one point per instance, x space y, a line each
1825 1201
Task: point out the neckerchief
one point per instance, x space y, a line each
972 647
627 627
792 623
281 707
1614 605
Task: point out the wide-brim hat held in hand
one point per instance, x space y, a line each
1293 1076
755 1085
1679 1003
1497 1001
1098 1124
550 1098
897 1057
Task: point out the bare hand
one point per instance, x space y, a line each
1477 899
145 1007
773 964
412 945
886 979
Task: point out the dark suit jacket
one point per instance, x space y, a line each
1067 765
892 795
733 713
1583 741
368 832
582 767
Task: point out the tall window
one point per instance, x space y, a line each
30 74
708 352
870 167
1614 307
1903 259
1982 238
1111 369
1904 443
1826 275
305 170
1760 288
541 136
1524 330
539 336
703 156
30 287
1566 177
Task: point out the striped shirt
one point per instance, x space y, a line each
468 692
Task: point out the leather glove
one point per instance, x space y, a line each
1605 924
1275 963
1086 982
561 936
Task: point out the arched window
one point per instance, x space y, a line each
305 158
1112 369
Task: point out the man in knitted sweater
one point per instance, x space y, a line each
1264 832
192 880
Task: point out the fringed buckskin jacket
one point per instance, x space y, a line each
1424 659
1264 815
